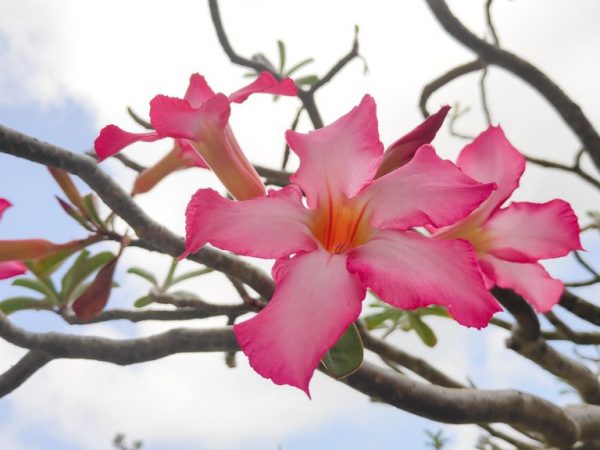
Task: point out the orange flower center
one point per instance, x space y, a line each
341 225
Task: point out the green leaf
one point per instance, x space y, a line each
299 66
188 275
281 48
142 301
82 268
307 80
374 321
44 287
47 266
422 329
90 204
432 311
346 355
10 305
143 274
170 273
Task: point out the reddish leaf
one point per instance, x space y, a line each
93 300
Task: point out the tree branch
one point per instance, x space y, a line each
22 370
566 108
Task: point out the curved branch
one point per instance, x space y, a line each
580 307
14 143
446 78
121 351
566 108
22 370
461 406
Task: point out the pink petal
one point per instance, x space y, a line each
176 118
4 205
340 158
113 139
530 281
198 91
411 271
527 232
266 227
265 83
9 269
190 154
315 300
403 150
492 158
426 190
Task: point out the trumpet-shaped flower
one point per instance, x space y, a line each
201 121
510 241
9 269
182 156
354 232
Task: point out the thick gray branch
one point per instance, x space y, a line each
22 370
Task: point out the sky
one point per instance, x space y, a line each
67 68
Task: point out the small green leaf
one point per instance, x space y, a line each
45 267
188 275
432 311
143 274
10 305
346 355
170 273
281 48
298 66
307 80
422 329
43 288
90 204
142 301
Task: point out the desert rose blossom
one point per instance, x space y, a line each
9 269
182 156
510 241
201 119
354 233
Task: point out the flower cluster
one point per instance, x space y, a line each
354 218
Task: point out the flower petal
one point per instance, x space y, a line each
527 232
315 300
176 118
492 158
198 91
411 271
529 280
4 205
340 158
265 83
427 190
274 226
190 154
403 150
9 269
113 139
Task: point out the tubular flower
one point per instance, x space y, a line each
182 156
201 119
402 151
354 233
510 241
9 269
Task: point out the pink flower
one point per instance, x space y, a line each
354 233
9 269
402 151
182 156
510 241
200 119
